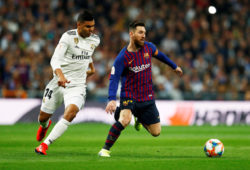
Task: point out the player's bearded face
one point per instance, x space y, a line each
139 36
86 28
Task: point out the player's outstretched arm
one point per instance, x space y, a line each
56 59
111 106
92 69
61 78
163 58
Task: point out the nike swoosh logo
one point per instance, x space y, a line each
130 61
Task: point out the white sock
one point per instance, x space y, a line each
44 124
57 131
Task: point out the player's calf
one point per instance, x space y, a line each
70 112
155 134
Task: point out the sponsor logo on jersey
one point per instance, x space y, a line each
137 69
76 40
130 61
84 55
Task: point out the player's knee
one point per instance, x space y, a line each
125 121
69 116
43 117
125 118
155 134
72 115
70 112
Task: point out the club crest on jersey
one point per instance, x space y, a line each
113 70
146 55
92 46
76 40
126 102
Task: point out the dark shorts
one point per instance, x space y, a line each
146 112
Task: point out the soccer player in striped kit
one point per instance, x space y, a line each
133 66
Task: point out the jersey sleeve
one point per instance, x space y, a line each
115 75
96 44
95 39
59 52
90 60
153 47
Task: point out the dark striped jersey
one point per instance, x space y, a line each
134 69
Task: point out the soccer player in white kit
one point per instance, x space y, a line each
72 64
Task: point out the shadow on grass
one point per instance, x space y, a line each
119 155
158 156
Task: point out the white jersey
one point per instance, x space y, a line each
73 55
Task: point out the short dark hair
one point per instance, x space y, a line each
134 24
86 15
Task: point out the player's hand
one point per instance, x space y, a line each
62 81
178 71
111 106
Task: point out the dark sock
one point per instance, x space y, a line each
114 133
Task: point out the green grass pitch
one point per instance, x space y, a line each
176 148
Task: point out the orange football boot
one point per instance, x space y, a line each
41 149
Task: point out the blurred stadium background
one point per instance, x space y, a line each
212 47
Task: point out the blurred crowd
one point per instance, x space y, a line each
212 49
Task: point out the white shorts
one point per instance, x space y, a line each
54 96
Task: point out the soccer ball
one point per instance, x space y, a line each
214 148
